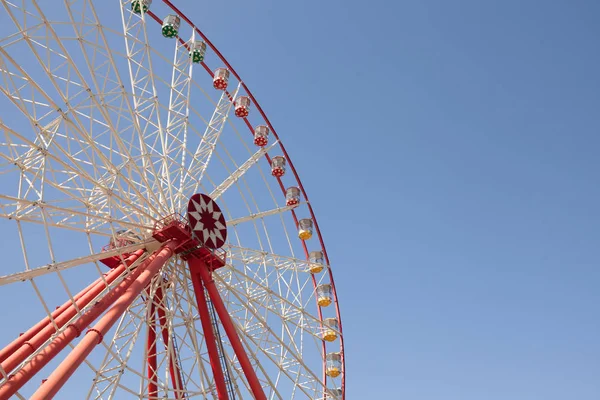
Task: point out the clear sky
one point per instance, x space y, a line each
450 149
450 152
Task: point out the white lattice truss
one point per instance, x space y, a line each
103 130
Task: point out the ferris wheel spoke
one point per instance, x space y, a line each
18 209
109 90
63 265
60 71
252 256
178 113
288 358
264 297
240 171
251 343
48 133
145 102
260 215
77 94
207 145
236 368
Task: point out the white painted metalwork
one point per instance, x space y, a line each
204 152
61 266
239 172
103 128
263 214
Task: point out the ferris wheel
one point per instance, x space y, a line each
157 240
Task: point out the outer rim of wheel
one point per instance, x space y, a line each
296 176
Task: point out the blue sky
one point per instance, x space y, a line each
450 152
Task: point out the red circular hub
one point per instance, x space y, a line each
207 221
292 202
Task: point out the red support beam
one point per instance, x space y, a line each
238 348
122 299
151 346
31 345
173 367
207 329
18 342
33 366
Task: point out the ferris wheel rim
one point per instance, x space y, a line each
289 160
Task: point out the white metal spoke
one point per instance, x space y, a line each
49 135
61 266
272 340
207 145
108 88
14 208
238 173
258 293
76 92
260 215
178 115
253 256
146 110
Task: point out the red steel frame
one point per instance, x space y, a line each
24 346
73 330
209 336
25 337
201 274
157 304
118 299
124 294
173 367
293 169
151 348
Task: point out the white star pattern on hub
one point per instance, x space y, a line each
207 221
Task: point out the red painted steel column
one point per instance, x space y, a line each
151 346
95 335
34 365
30 346
207 329
230 330
18 342
173 368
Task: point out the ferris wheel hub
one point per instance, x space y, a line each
206 221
